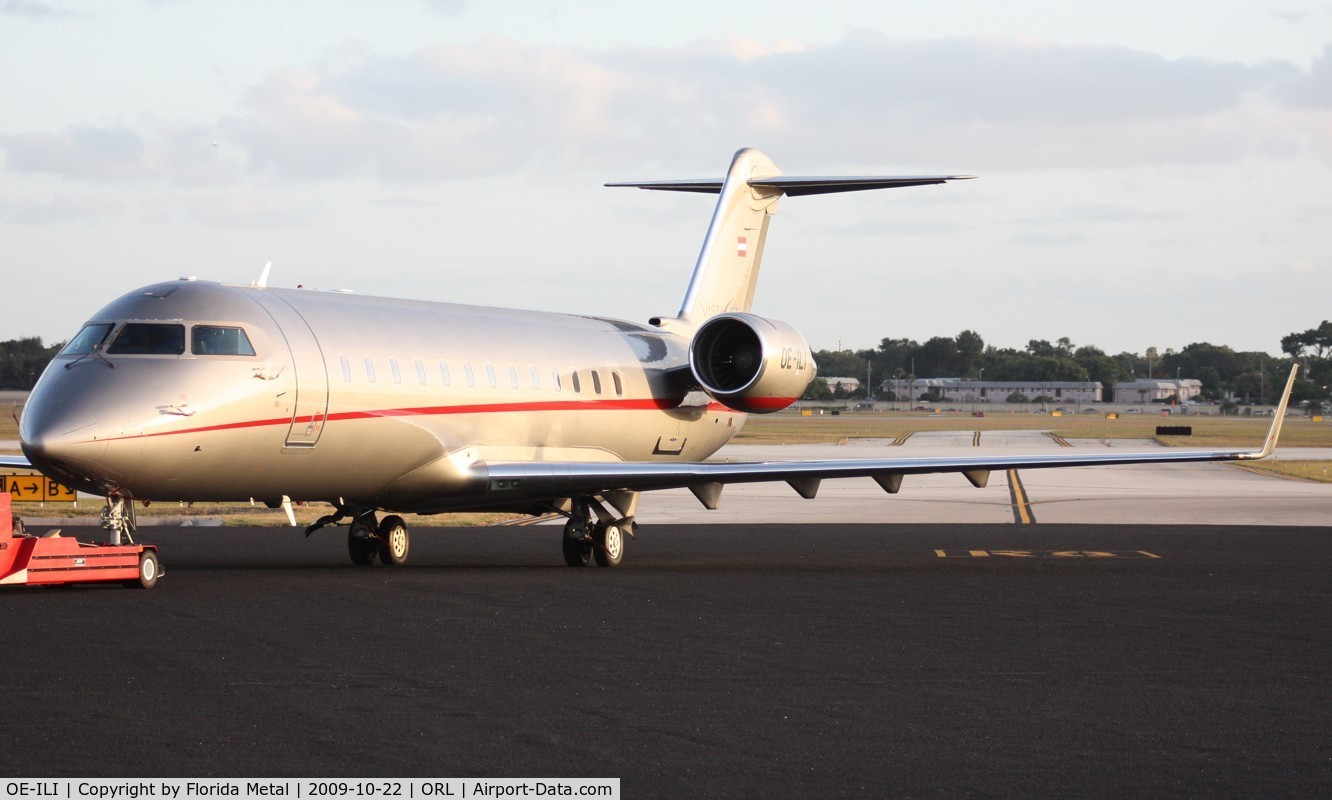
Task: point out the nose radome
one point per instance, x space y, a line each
57 437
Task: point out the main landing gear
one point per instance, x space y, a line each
594 534
368 539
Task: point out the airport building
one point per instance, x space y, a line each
965 391
846 385
1154 391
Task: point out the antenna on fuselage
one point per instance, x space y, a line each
262 283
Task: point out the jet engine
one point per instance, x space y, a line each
749 363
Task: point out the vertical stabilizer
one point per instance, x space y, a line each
728 265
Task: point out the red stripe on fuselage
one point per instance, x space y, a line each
649 404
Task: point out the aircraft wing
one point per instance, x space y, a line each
706 479
16 462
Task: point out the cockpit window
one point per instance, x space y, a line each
88 339
219 340
149 338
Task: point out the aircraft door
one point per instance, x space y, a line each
310 408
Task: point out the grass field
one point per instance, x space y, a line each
1318 471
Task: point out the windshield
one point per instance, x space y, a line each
88 339
149 338
220 340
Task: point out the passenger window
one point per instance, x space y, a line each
88 339
619 388
444 373
395 372
490 375
596 382
555 380
420 372
534 376
467 371
513 376
149 338
369 369
346 367
219 340
573 380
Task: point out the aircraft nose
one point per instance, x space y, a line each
61 437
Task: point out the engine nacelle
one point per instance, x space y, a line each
751 364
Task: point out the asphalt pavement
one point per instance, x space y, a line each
719 661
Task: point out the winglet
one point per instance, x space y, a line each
1278 416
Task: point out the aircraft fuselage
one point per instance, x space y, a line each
384 402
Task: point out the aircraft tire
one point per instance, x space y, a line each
577 549
150 569
361 546
609 549
394 541
19 528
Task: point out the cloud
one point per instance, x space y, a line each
31 9
495 106
181 154
62 208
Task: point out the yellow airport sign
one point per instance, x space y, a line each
36 489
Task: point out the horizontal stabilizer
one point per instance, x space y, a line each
797 187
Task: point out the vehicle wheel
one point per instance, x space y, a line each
393 541
609 550
361 545
577 547
149 570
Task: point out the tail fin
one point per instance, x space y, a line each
728 265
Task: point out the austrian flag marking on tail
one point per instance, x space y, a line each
741 247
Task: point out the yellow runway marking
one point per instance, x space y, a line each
1022 513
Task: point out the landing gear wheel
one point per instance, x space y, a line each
609 539
393 541
361 545
577 545
19 528
149 571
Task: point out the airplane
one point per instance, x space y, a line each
193 390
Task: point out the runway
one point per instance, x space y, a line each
802 660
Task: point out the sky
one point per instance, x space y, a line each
1151 174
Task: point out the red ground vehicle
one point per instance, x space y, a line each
32 560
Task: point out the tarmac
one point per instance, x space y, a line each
759 660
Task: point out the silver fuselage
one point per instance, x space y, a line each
354 399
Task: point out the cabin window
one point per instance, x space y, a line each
369 369
346 367
490 375
619 388
444 373
596 382
573 380
467 371
219 340
88 339
395 371
534 376
513 376
420 372
149 339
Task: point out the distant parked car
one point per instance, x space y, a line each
1133 411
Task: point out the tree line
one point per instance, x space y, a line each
1248 376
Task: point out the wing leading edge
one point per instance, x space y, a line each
554 479
16 462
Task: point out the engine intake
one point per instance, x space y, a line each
750 363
